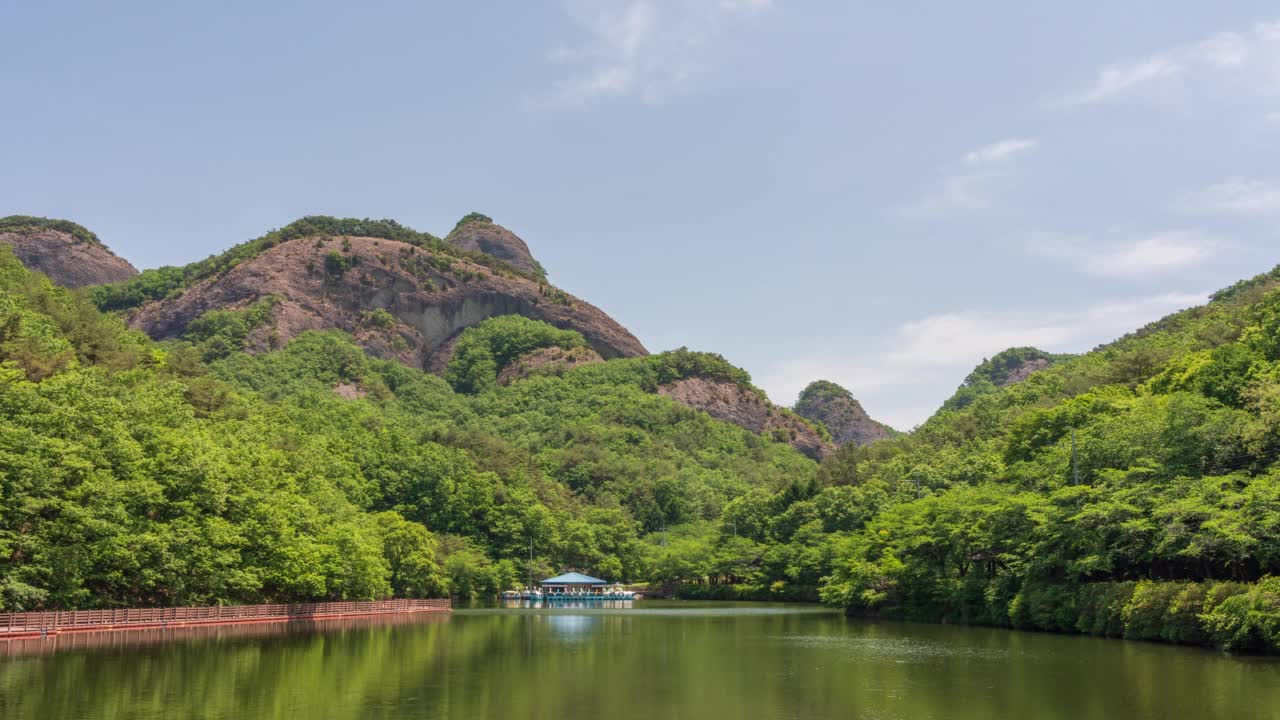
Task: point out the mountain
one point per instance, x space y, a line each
478 233
401 294
748 407
1133 490
1003 369
188 471
842 415
1130 491
68 253
408 296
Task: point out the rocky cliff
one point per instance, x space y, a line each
836 408
68 253
408 296
399 300
745 408
478 233
1001 370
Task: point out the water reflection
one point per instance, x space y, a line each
654 660
567 604
572 627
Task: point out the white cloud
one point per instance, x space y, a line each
926 359
1154 254
1117 80
1248 61
643 48
973 184
1130 257
995 152
1239 195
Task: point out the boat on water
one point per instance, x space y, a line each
572 587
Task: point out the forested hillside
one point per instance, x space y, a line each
1132 491
189 472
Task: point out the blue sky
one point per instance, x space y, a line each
877 194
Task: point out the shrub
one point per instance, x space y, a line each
1182 621
1146 612
1100 608
485 349
218 333
377 318
336 264
1250 621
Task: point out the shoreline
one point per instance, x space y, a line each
37 625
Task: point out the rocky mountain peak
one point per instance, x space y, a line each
397 299
750 409
836 408
478 233
1011 366
68 253
1005 368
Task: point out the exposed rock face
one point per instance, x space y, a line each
67 260
478 233
744 408
1003 369
1011 366
349 391
552 360
1023 370
342 283
836 408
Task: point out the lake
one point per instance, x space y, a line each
656 661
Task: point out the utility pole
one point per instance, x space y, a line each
1075 463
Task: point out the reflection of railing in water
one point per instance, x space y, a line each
567 604
40 624
130 638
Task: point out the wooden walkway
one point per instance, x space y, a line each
43 624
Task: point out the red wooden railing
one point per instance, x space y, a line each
54 621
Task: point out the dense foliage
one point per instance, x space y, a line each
998 371
1172 530
487 348
1131 491
185 472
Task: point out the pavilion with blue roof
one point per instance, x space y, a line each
577 586
573 579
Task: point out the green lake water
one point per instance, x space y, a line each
656 661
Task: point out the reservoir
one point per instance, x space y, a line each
653 661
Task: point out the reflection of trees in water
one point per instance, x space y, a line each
580 664
230 671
